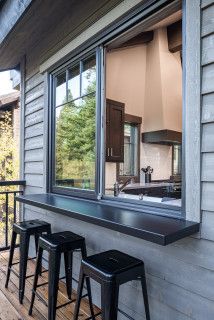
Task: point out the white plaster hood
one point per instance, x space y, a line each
163 94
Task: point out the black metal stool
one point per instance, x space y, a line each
62 242
111 269
25 229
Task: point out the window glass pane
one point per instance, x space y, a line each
143 79
75 144
74 83
89 76
130 164
61 89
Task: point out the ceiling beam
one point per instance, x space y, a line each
174 33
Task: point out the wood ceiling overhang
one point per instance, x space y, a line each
50 25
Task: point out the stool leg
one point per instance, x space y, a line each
12 247
68 258
36 276
79 294
53 282
88 285
145 295
24 246
49 229
36 247
109 300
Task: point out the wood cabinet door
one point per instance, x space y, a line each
114 131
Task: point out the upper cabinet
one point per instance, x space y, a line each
114 131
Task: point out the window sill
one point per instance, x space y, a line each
158 229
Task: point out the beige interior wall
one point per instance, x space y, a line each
140 77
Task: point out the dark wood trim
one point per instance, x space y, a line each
129 118
174 33
153 228
141 38
166 137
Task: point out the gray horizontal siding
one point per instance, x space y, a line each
206 3
208 20
34 167
207 230
34 155
34 105
34 130
208 137
208 49
34 134
208 79
208 108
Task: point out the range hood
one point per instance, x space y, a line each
165 137
162 118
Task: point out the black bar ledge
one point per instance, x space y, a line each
153 228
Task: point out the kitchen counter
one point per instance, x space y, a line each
139 185
173 202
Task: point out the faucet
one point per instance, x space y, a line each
118 189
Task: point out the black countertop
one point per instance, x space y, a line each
154 228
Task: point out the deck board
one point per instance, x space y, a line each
12 310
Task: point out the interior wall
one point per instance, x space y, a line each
140 77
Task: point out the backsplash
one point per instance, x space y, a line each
159 157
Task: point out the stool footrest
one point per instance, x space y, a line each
96 315
30 276
65 304
125 314
16 274
28 259
40 298
42 284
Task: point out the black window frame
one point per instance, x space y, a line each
97 44
82 193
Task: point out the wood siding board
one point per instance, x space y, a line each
208 50
34 118
33 189
207 167
207 196
206 3
34 180
208 137
34 168
34 155
207 228
208 20
34 81
35 130
35 93
34 143
208 108
208 79
34 106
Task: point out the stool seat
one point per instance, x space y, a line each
64 241
111 269
112 262
31 226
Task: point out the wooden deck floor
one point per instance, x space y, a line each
10 309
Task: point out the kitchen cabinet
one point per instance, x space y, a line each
115 111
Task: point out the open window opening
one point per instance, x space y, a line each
143 81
